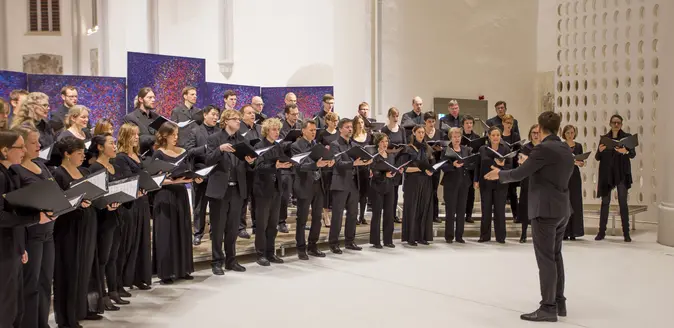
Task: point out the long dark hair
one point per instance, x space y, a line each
98 140
165 130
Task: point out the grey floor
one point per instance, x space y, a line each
609 284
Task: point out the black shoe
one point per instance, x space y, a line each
114 296
470 220
572 238
501 241
523 240
390 245
235 267
378 246
274 259
93 316
423 242
412 243
565 238
196 241
142 286
460 241
123 293
449 241
561 309
217 270
187 277
437 220
539 315
314 251
302 255
166 281
335 249
353 247
244 234
262 261
482 240
600 236
362 221
283 228
107 304
627 238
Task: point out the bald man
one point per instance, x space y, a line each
414 117
289 99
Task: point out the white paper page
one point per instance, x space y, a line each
184 124
495 152
99 180
44 153
437 166
264 150
159 179
299 157
75 201
205 171
87 144
130 188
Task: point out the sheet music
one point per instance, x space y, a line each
99 180
130 188
145 153
184 124
75 201
299 157
205 171
264 150
87 144
437 166
45 153
178 161
159 179
495 152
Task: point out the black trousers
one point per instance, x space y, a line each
248 200
11 288
624 210
493 198
109 241
37 279
200 204
548 234
343 200
512 198
287 190
455 197
267 222
225 216
435 181
382 202
470 202
316 202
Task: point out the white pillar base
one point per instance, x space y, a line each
666 224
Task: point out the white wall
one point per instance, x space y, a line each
461 49
88 42
547 35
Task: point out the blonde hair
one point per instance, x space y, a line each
268 124
74 112
124 136
454 130
228 114
332 116
26 114
508 117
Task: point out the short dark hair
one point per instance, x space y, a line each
501 102
616 116
343 121
229 93
69 145
467 118
307 122
66 88
289 107
211 108
549 122
429 115
494 127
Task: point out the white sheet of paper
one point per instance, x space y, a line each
495 152
299 157
184 124
263 150
99 180
75 201
87 144
205 171
44 153
130 188
437 166
159 179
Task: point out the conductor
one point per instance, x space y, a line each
549 167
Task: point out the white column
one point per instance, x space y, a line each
76 35
104 28
153 25
666 114
226 37
4 47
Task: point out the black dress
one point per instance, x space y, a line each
438 135
363 180
417 197
512 187
136 264
172 229
398 138
575 228
326 138
75 241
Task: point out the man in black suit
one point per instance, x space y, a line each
413 117
226 190
549 167
328 105
308 187
252 132
501 109
291 122
142 116
185 112
344 189
453 119
199 138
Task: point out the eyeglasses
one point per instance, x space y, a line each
616 123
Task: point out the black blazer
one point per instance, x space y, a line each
226 164
549 167
12 225
496 121
379 183
146 133
266 176
305 171
183 114
251 135
343 176
199 138
486 161
286 127
458 176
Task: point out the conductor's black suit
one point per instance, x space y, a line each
549 167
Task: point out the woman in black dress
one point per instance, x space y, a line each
456 181
396 136
361 137
172 229
511 138
136 265
535 139
433 134
76 122
575 227
417 211
39 271
325 137
75 242
12 227
109 230
492 193
382 185
615 171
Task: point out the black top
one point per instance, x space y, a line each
118 175
614 167
399 137
146 133
496 121
326 138
12 237
25 178
451 122
486 161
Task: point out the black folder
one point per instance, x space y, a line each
89 190
388 167
44 196
149 182
376 126
423 165
320 152
157 123
153 167
259 118
582 157
515 144
292 135
120 191
189 174
475 143
508 155
441 143
243 149
454 156
356 152
630 142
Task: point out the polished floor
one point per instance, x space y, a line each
609 284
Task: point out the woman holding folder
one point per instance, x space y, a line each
361 137
575 227
172 229
534 138
12 230
75 241
492 193
136 265
417 191
109 231
382 194
397 141
512 140
456 181
615 172
325 137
